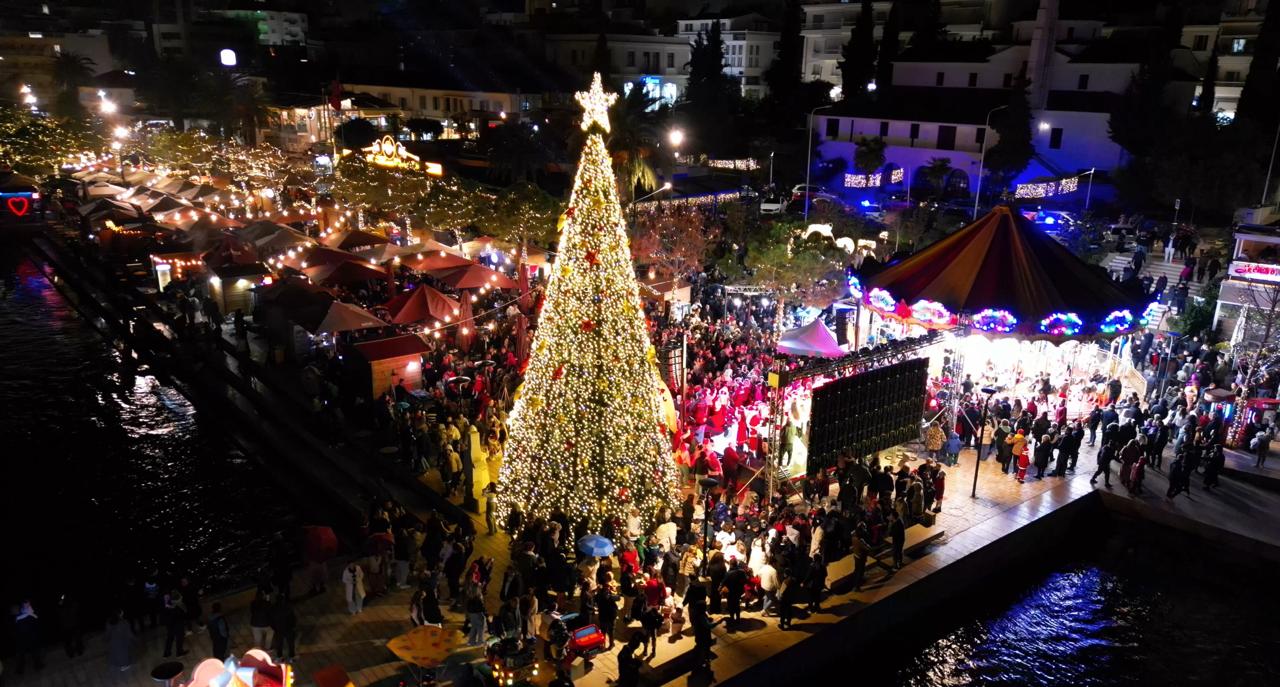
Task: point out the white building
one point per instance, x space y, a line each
1234 36
1252 283
749 47
661 63
940 107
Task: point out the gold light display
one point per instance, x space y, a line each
587 433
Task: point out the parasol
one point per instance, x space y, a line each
474 276
434 261
355 238
344 317
344 273
319 543
595 545
421 303
426 646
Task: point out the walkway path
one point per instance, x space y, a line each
329 635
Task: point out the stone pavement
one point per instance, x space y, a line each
329 635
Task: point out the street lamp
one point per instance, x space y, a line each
108 107
808 167
676 137
982 158
1267 182
982 430
1089 190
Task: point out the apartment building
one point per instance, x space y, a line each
750 45
659 63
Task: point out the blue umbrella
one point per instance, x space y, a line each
595 545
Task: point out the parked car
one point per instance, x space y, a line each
773 204
872 211
815 193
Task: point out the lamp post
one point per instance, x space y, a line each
982 159
808 166
1267 183
982 430
771 152
1089 190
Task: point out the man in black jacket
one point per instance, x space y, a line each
735 583
1106 454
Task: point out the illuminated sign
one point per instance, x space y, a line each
388 152
1254 271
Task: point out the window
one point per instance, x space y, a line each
816 70
833 128
1008 81
404 103
946 137
940 79
884 129
1200 42
980 135
818 19
1055 138
631 58
435 102
422 102
915 131
1237 45
1071 32
688 28
1232 75
671 60
973 79
573 57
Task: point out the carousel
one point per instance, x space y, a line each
1021 314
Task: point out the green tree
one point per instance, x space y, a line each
515 153
888 51
601 61
522 213
166 88
935 173
858 66
1209 86
712 95
70 71
868 154
777 258
928 29
424 127
356 133
633 141
1260 97
1011 154
783 74
235 103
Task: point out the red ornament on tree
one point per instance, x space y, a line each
569 211
593 258
558 373
624 494
588 326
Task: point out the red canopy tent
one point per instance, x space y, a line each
355 238
422 303
434 261
344 273
1004 276
475 276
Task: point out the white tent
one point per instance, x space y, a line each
813 339
102 189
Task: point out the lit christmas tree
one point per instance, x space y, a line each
588 434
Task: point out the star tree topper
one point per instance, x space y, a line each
595 104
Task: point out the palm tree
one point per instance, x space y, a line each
516 154
166 89
633 142
937 171
868 156
71 71
235 102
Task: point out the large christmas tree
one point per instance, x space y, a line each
587 433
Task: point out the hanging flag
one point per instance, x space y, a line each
335 95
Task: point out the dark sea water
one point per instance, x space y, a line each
1139 614
107 471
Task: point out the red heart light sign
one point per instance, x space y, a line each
19 205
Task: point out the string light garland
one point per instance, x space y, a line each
587 431
882 300
1062 324
1117 322
993 320
931 313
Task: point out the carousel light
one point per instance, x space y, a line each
931 313
1062 324
992 320
881 300
1150 315
855 286
1118 321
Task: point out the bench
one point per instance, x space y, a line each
918 537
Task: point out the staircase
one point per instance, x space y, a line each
1156 268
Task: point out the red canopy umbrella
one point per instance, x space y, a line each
344 273
421 303
355 238
318 256
319 543
475 276
467 330
434 261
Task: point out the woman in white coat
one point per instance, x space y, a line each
353 580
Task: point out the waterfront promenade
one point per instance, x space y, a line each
329 635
